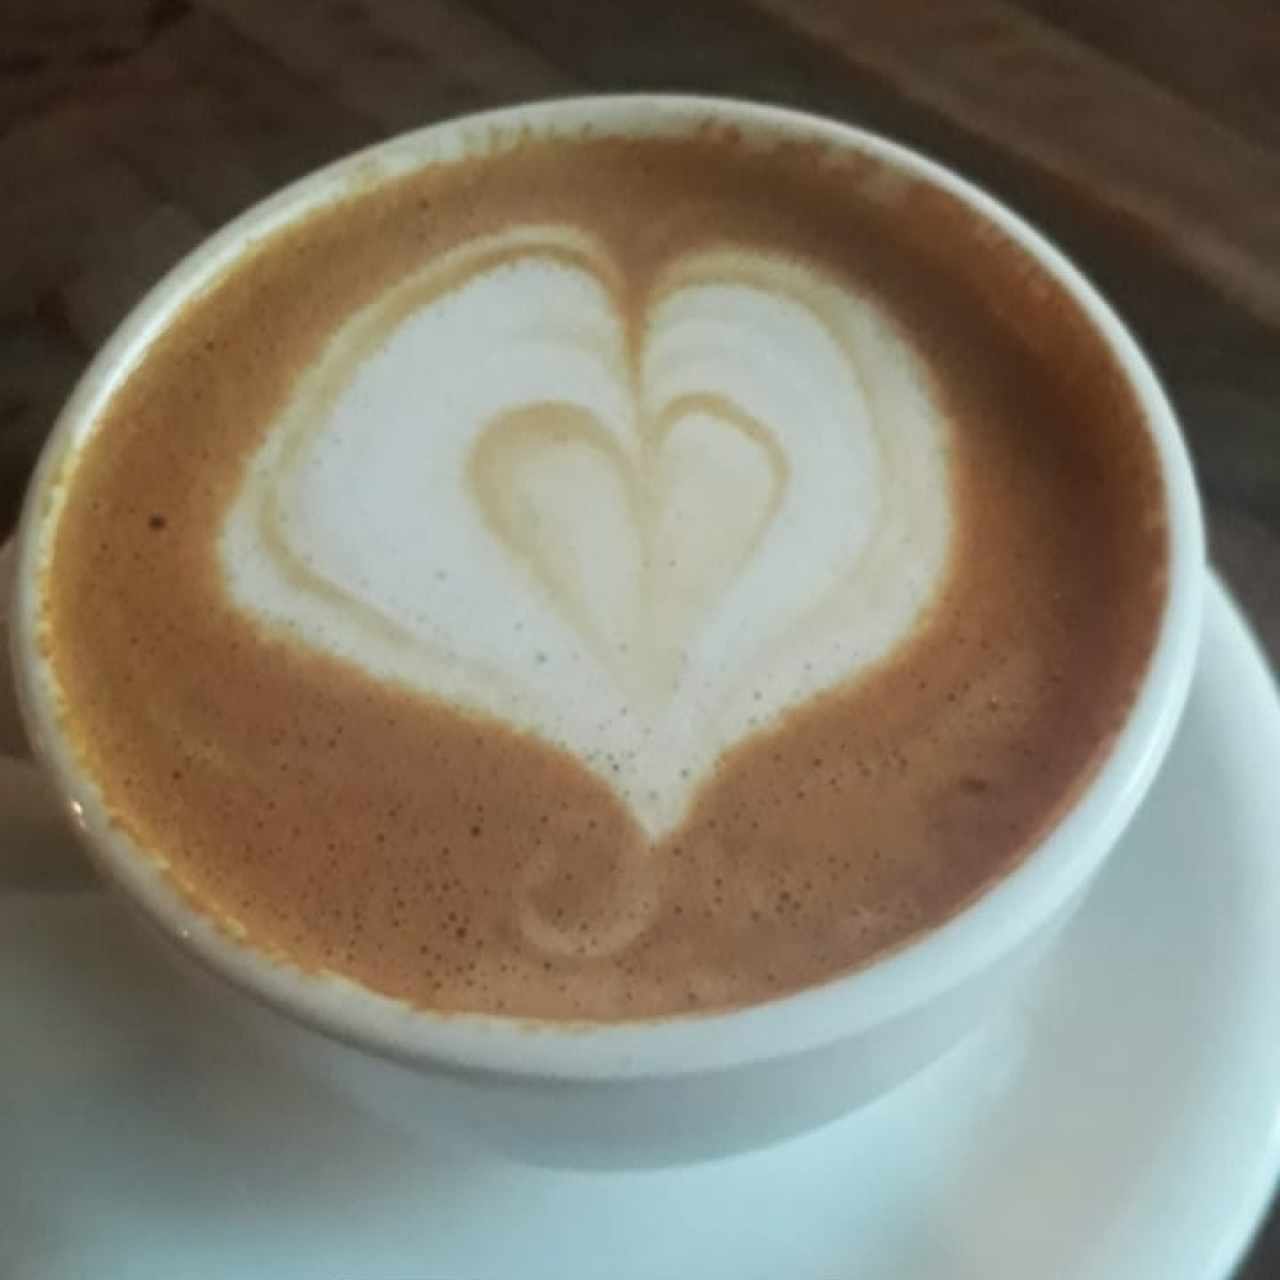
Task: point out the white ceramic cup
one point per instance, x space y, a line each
673 1088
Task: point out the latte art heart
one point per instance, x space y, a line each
637 521
682 510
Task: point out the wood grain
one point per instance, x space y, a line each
1224 62
1040 96
401 64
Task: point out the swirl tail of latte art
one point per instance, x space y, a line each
602 577
638 520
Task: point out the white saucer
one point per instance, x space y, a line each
1123 1121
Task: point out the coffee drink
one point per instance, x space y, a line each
600 577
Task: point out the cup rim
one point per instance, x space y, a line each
837 1008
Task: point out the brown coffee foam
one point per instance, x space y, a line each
347 824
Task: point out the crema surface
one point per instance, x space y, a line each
601 578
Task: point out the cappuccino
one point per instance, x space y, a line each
601 577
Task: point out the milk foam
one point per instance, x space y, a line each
639 527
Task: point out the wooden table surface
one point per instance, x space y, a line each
1144 135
